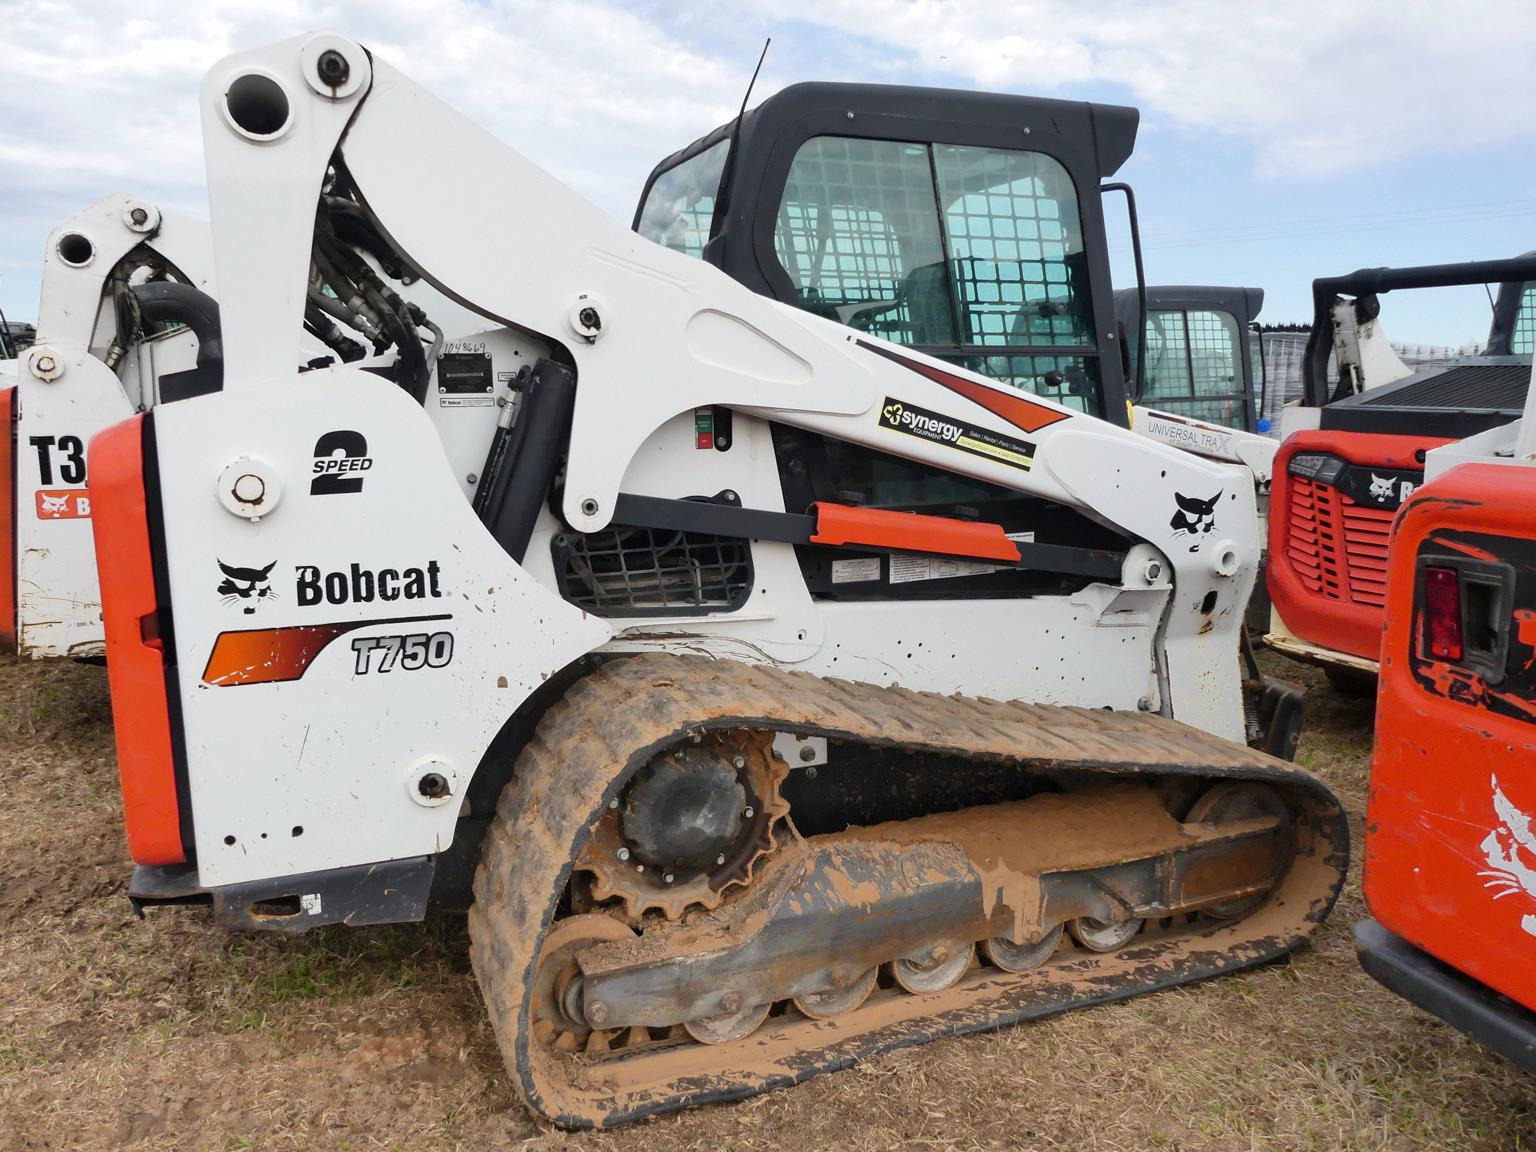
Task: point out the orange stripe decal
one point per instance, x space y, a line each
135 663
278 655
1014 408
837 525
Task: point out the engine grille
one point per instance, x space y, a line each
1337 547
651 571
1500 387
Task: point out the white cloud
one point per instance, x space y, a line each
1319 86
99 96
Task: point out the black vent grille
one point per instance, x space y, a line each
1499 387
624 571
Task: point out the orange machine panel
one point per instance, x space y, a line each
1451 828
7 521
135 656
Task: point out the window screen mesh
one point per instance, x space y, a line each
1193 366
1014 234
1523 340
858 234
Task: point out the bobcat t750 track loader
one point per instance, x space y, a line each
748 789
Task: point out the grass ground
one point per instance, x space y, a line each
171 1033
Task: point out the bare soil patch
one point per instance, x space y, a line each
170 1033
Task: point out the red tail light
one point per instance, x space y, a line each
1442 613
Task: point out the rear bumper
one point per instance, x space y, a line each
390 892
1442 991
1309 653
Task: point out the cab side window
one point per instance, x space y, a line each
679 209
971 254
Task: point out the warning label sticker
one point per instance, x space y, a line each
905 569
938 429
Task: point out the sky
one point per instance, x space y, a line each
1277 144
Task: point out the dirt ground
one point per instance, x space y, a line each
170 1033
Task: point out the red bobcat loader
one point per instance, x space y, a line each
1353 452
887 704
1450 849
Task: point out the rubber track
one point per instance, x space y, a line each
615 720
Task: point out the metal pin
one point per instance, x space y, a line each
623 853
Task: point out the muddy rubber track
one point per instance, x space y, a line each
612 722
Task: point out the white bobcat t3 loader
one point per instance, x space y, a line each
742 799
124 316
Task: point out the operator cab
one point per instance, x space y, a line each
15 339
1201 363
1469 395
965 225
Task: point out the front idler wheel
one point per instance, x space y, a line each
559 1016
1231 801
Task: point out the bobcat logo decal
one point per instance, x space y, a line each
1195 517
252 585
55 505
1510 851
1381 488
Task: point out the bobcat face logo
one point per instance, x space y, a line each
1381 488
55 505
1195 517
1510 850
252 585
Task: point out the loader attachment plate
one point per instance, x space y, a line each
821 914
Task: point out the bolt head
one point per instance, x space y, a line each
731 1002
623 853
940 954
332 68
748 813
45 365
720 859
807 753
250 488
738 762
668 878
597 1012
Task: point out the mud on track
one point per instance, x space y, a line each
173 1034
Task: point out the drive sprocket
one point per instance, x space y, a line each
688 826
